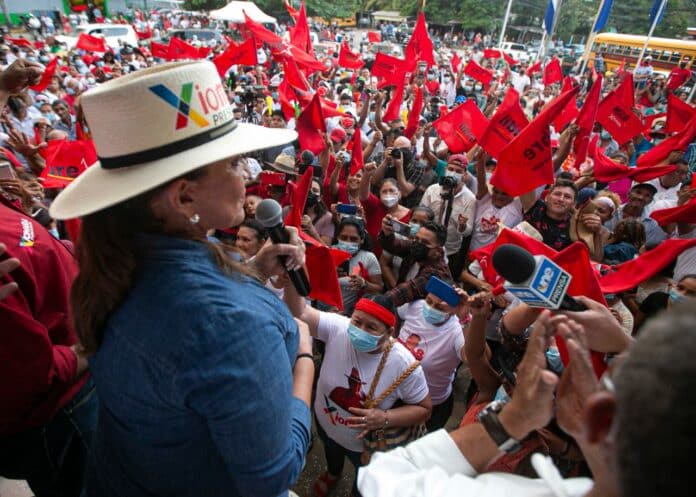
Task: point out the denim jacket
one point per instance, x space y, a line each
194 378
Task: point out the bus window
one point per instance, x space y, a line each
675 58
635 52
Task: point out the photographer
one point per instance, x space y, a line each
398 163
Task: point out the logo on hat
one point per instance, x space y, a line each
181 104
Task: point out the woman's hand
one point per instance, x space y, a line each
267 260
367 420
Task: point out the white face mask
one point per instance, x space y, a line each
390 200
456 176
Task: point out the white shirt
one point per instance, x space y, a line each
463 202
336 391
520 82
488 219
664 198
433 466
437 347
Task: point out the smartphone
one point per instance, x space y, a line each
7 171
400 228
443 291
272 178
347 209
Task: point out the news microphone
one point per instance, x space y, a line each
535 280
270 215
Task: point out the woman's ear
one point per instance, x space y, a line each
599 416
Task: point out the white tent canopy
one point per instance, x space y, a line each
234 12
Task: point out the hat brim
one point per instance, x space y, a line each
98 188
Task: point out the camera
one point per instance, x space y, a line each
402 153
448 183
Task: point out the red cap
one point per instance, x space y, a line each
337 134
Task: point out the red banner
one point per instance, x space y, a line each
348 59
615 112
507 122
91 43
244 53
679 113
66 160
461 127
478 73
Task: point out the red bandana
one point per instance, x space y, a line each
377 311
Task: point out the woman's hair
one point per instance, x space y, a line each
389 180
359 225
612 196
430 214
631 231
109 258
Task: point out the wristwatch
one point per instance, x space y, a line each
488 417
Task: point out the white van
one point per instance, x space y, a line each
112 33
517 51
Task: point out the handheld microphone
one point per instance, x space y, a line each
270 215
535 280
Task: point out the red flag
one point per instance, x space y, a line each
510 60
679 113
606 170
322 262
507 122
66 160
394 107
348 59
311 126
526 162
615 112
649 120
261 33
374 36
456 61
293 75
91 43
305 60
291 10
143 35
621 69
244 53
47 75
680 214
478 73
299 35
461 127
552 72
585 121
536 67
179 49
634 272
38 44
390 70
570 111
357 161
286 96
159 50
299 198
22 42
420 46
414 115
660 152
491 53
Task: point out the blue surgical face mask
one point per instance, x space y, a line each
553 361
454 175
372 116
54 232
274 95
604 135
414 228
434 316
675 296
70 91
350 247
361 340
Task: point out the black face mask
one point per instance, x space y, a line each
312 200
419 252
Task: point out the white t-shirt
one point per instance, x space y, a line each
437 347
664 198
371 265
346 376
520 82
488 217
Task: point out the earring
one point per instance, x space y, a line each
194 219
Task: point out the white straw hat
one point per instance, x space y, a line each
155 125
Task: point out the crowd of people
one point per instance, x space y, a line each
153 343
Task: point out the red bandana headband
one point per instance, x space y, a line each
374 309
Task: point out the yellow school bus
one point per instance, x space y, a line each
666 52
344 22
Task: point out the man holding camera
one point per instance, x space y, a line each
454 206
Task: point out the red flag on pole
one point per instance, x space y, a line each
47 75
291 10
660 152
374 36
394 107
606 170
510 60
286 96
456 61
348 59
420 46
526 162
552 72
680 214
159 50
299 35
357 161
414 115
570 111
585 121
66 160
491 53
261 33
143 35
179 49
390 70
679 113
478 73
507 122
91 43
615 112
244 53
536 67
23 42
311 126
461 127
293 75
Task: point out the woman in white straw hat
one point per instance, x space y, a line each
203 378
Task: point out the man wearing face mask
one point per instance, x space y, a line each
398 163
639 197
607 143
454 206
423 257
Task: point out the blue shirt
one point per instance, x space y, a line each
195 382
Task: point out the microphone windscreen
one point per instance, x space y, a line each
269 213
513 263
